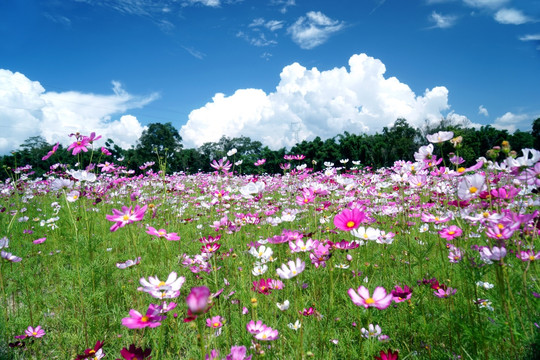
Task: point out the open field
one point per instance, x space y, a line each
346 263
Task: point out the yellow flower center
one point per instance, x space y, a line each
531 258
350 224
370 301
216 324
461 169
451 232
34 333
473 190
144 318
125 218
161 233
500 226
486 215
161 283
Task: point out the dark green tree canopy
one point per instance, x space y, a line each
160 137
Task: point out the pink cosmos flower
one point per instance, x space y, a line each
267 334
380 300
221 165
442 293
451 232
128 263
255 327
259 162
215 322
139 321
238 353
348 219
126 216
40 240
51 153
81 144
529 255
162 233
36 332
197 300
494 254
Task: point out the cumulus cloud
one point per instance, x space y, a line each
442 21
359 99
482 110
27 109
511 122
511 16
313 29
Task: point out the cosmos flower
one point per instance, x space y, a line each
138 321
36 332
294 268
215 322
348 219
380 300
440 137
126 216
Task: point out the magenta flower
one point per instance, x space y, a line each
348 219
442 293
80 145
50 153
238 353
259 162
139 321
40 240
221 165
197 300
126 216
380 300
215 322
400 294
451 232
36 332
163 233
529 255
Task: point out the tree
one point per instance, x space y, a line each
536 133
160 143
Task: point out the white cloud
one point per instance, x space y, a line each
489 4
313 29
211 3
442 21
319 103
511 122
511 16
26 109
284 4
482 110
257 39
530 37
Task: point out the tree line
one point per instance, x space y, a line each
162 144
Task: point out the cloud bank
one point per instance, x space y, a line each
316 103
27 109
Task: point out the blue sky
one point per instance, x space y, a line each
277 71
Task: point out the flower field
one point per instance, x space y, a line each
422 260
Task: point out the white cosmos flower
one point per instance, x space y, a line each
295 326
262 252
259 270
440 137
292 270
231 152
366 233
283 306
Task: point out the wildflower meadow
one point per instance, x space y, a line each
421 260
